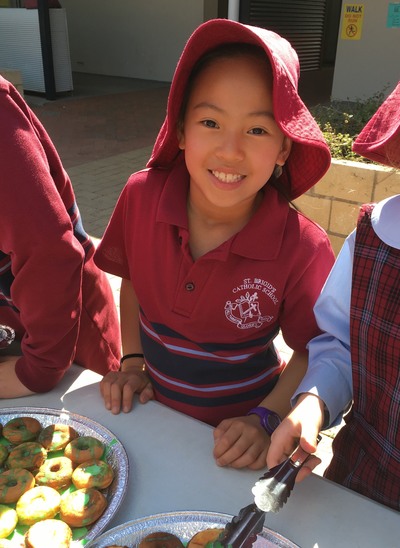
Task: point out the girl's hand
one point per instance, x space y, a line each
241 442
300 427
118 388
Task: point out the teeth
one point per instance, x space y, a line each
227 177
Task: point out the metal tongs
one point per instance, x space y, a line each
270 492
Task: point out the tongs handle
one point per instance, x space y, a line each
242 531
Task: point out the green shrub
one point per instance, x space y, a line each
342 121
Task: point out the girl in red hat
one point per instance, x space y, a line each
214 259
354 364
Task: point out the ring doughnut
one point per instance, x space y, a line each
202 538
29 455
160 540
8 520
56 436
3 454
84 448
82 507
21 429
14 483
56 473
93 473
38 504
49 533
4 543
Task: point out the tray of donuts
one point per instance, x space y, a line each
179 530
63 477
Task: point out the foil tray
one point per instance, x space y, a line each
182 524
115 456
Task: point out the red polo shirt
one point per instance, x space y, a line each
207 326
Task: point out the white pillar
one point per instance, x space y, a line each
233 10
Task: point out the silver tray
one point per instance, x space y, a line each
182 524
115 455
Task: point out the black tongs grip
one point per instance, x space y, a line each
242 531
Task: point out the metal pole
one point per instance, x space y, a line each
47 50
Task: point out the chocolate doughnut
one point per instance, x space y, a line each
93 473
49 533
29 455
84 448
202 538
3 454
14 483
21 429
82 507
38 504
160 540
56 473
57 436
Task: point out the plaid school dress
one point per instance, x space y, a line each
367 450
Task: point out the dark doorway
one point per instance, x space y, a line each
312 27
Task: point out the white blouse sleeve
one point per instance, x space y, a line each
329 372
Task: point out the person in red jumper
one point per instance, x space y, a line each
56 299
354 363
214 260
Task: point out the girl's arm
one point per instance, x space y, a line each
242 441
118 388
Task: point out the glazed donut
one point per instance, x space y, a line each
93 473
84 448
21 429
49 533
3 454
82 507
56 436
14 483
160 540
56 473
8 520
29 455
202 538
38 504
4 543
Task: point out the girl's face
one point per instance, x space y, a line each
230 138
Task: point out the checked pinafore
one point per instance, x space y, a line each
367 449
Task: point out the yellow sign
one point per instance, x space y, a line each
353 16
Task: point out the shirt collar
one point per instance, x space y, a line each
385 221
260 239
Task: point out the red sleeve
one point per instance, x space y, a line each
110 254
36 232
313 259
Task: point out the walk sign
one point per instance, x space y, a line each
352 20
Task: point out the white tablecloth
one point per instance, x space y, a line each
172 469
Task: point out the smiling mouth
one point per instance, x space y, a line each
227 177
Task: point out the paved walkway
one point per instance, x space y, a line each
103 133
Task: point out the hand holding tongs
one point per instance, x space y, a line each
270 492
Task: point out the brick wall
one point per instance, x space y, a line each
334 202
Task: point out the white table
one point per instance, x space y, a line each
172 469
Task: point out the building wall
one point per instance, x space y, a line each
371 64
334 202
131 39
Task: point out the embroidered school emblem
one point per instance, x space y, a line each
245 311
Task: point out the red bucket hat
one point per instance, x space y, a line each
379 140
309 158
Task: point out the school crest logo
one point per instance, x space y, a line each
245 311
